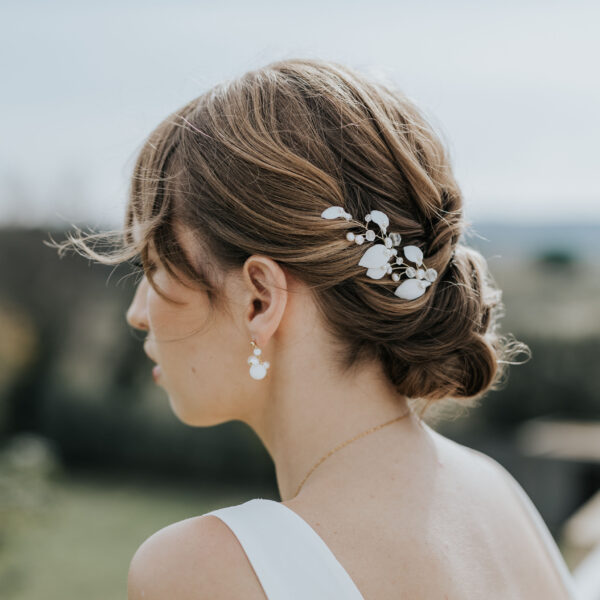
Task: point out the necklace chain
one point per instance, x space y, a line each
371 430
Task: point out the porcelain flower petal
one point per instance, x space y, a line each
333 212
414 254
380 218
377 273
375 257
412 288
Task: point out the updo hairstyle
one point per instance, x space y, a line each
250 165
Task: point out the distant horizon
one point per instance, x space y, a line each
527 222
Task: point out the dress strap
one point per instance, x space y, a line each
289 557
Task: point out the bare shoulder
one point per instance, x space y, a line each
518 527
492 477
193 559
500 474
481 463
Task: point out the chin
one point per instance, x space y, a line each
180 411
190 415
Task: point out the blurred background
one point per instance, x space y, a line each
92 461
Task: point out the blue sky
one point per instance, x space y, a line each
513 87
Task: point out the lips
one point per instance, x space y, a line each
149 355
156 370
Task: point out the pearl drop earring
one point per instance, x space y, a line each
258 369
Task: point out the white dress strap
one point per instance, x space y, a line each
289 557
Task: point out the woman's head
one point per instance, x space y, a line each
201 350
244 172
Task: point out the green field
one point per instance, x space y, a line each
77 538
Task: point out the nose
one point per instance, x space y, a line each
136 313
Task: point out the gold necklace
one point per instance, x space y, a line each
371 430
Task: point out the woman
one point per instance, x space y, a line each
298 229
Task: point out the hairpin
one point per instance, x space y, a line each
377 258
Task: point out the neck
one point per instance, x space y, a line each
307 413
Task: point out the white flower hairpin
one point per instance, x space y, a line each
377 258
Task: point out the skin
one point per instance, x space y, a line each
403 495
205 374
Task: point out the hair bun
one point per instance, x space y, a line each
456 352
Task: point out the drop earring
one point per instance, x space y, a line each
258 369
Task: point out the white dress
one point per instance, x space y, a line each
293 562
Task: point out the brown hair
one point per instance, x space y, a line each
250 165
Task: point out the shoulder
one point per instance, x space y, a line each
192 559
476 462
490 483
505 491
502 475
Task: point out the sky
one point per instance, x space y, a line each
512 88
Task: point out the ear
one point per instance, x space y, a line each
267 288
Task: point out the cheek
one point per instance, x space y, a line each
200 353
181 333
161 316
169 320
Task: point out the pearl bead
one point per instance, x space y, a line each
359 239
258 371
257 351
350 236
